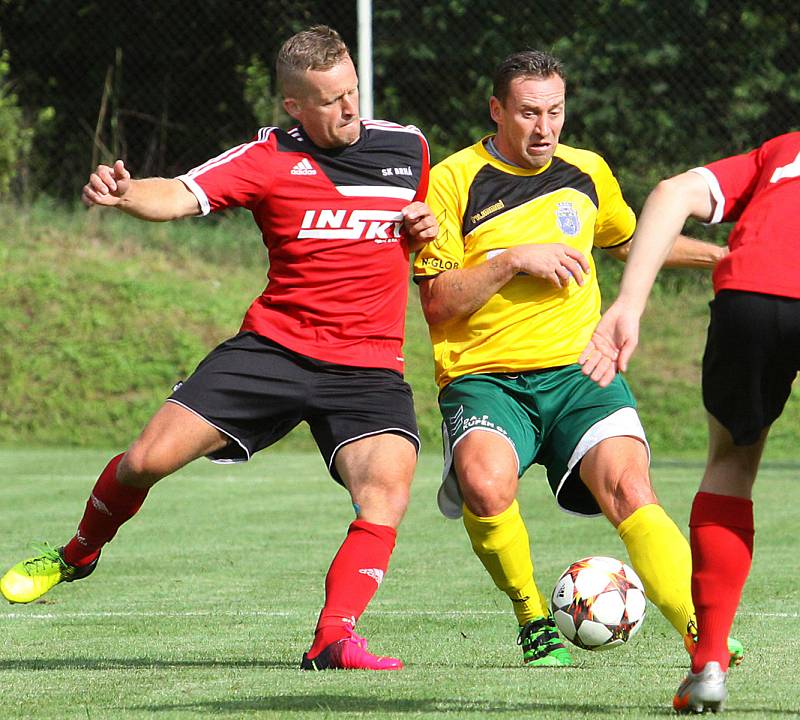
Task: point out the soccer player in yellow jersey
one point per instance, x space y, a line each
510 294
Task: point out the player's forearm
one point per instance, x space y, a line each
158 200
653 243
688 252
459 293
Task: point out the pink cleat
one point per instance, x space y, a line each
349 653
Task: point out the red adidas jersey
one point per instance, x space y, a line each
337 284
760 191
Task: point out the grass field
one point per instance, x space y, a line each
204 603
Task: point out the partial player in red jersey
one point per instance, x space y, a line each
752 356
338 203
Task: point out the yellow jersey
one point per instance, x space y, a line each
485 206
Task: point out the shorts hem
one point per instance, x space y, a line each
382 431
219 460
624 422
448 497
489 430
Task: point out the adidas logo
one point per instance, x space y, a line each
303 168
375 573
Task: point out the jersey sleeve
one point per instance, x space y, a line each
731 182
615 221
239 177
424 175
447 251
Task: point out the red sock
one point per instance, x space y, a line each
353 578
109 506
721 529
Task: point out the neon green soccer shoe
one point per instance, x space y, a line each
735 648
541 645
30 579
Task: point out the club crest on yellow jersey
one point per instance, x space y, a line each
568 219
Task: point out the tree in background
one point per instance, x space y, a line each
653 85
16 136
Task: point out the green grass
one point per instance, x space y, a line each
204 603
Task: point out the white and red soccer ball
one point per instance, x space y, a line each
598 603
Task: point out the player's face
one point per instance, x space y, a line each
529 122
327 105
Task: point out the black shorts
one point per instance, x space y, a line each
751 359
255 391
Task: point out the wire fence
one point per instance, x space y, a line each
654 86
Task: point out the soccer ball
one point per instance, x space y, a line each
598 603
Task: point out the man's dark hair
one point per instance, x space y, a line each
318 48
527 63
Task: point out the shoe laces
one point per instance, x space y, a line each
47 554
355 637
537 633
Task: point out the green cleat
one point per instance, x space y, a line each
30 579
735 648
541 645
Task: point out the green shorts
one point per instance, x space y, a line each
552 417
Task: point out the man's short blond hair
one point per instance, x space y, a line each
318 48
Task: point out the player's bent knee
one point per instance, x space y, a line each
382 509
140 468
486 496
622 495
488 487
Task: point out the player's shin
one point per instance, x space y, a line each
109 506
660 555
501 543
722 551
353 578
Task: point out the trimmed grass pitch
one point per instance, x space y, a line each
203 604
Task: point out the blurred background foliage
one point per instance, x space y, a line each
100 314
653 86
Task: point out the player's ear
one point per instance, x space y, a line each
292 107
495 108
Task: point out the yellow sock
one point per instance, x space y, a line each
662 558
501 543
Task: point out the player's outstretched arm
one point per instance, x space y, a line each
613 342
156 199
459 293
689 252
669 205
419 225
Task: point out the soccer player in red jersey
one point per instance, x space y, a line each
751 358
338 203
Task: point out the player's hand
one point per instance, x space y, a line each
724 251
555 262
419 225
106 185
613 342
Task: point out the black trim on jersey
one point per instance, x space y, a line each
619 244
492 186
364 162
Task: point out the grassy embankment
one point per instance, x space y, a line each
100 315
